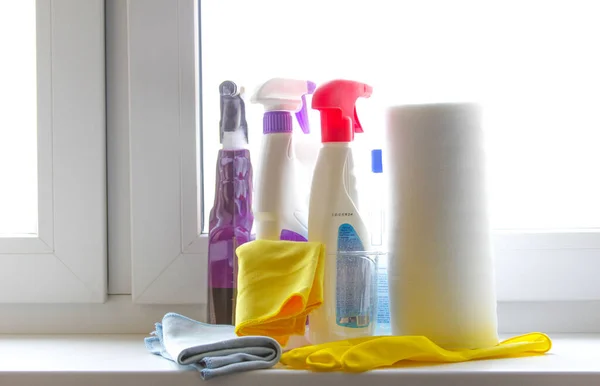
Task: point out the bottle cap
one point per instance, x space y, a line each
233 114
281 97
376 161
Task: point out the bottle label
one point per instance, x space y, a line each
383 326
383 313
348 239
356 288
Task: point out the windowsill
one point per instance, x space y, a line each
69 360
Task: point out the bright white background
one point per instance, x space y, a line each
533 65
18 118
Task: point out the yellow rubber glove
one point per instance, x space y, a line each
363 354
279 284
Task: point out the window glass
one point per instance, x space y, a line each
18 118
534 66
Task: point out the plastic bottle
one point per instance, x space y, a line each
281 210
376 225
350 292
231 217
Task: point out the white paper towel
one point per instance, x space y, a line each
440 271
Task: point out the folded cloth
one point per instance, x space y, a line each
212 349
279 284
362 354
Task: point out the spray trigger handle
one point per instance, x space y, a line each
302 114
336 100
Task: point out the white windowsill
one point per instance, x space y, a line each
70 360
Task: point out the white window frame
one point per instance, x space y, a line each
547 266
168 251
117 149
66 261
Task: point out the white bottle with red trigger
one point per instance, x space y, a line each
335 219
280 206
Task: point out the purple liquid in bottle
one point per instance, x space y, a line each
230 225
231 218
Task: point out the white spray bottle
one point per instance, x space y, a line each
350 292
280 208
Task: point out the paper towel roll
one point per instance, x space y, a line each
441 274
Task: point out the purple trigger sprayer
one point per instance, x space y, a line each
231 217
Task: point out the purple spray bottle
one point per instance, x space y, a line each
231 217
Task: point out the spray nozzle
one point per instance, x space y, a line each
336 101
233 114
281 97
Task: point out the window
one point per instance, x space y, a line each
537 82
52 135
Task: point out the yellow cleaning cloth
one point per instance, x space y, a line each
362 354
279 283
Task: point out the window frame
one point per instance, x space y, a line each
544 266
66 261
117 137
168 251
